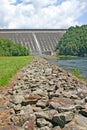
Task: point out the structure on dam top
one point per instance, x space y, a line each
38 41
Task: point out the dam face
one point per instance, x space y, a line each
38 41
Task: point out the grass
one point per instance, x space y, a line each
65 57
9 67
77 73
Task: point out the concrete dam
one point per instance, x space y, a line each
38 41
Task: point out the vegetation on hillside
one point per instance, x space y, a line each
10 65
8 48
73 42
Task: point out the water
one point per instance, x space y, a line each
72 64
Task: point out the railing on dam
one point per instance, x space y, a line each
38 41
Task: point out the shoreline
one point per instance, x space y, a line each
75 72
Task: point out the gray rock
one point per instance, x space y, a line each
83 112
17 99
54 105
17 107
50 114
41 122
37 109
39 92
41 103
16 87
81 121
73 126
41 114
48 71
44 128
74 96
86 99
49 95
29 125
62 118
56 128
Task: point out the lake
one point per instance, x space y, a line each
72 64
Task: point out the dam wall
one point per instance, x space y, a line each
38 41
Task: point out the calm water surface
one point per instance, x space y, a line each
72 64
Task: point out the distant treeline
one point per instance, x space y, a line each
8 48
74 42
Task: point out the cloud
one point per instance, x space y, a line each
41 13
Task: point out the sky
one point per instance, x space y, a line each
42 14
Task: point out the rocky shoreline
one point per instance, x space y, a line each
47 97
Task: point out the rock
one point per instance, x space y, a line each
56 128
84 112
27 110
58 84
54 105
16 87
15 120
17 99
82 95
17 107
50 114
50 88
62 118
81 121
86 99
48 71
74 96
37 109
65 109
0 121
10 91
42 103
33 85
44 128
51 83
66 94
61 104
64 101
79 102
73 126
52 94
31 99
47 97
10 128
41 114
85 106
79 107
29 125
39 92
22 113
41 122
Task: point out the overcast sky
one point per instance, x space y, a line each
30 14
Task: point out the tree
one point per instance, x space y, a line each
74 42
8 48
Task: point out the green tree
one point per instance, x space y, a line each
74 42
8 48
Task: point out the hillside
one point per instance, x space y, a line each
74 42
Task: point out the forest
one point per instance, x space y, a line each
8 48
73 42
